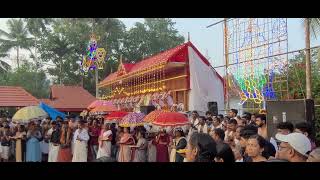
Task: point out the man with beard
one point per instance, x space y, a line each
261 122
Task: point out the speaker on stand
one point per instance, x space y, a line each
213 108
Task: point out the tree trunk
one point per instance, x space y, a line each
18 57
308 58
60 76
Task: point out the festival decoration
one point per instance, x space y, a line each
132 120
94 58
256 54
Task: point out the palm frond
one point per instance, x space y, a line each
314 26
4 67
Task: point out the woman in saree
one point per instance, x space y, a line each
179 142
105 142
162 141
20 139
65 143
125 142
118 137
141 147
152 149
33 144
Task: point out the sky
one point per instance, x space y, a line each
209 41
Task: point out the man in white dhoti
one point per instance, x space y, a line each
54 143
80 140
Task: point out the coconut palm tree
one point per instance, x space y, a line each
314 25
16 38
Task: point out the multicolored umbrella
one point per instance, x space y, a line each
116 115
170 119
26 114
132 119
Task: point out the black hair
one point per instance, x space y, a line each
49 118
248 130
218 119
261 141
142 132
81 122
304 127
195 112
22 127
208 113
225 152
262 117
232 121
234 111
209 119
54 122
58 117
247 114
286 125
220 116
219 132
202 117
206 147
226 118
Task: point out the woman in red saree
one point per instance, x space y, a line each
125 142
162 141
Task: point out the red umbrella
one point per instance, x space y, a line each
152 116
117 115
95 104
171 119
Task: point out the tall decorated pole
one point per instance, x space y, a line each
93 60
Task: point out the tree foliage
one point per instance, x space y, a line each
16 37
28 77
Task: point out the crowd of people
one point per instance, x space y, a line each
209 138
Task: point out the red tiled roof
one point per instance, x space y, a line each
176 54
14 96
46 101
70 98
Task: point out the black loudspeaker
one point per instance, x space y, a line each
293 111
213 108
147 109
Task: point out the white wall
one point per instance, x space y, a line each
205 85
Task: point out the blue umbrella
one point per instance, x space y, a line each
53 113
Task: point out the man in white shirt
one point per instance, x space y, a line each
194 123
202 127
80 140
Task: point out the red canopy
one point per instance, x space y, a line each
104 109
170 119
118 115
96 103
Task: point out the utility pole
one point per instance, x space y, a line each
308 58
227 106
97 81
